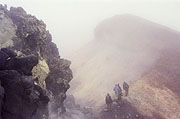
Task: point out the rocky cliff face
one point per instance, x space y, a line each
27 36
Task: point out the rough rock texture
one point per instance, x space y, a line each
20 97
27 35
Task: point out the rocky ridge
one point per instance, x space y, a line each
27 36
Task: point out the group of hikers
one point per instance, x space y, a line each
118 92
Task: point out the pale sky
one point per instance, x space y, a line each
71 22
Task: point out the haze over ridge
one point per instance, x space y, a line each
73 21
125 47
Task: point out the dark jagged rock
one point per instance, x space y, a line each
22 97
9 52
37 55
3 58
22 65
32 36
1 98
16 96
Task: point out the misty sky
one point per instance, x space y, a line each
71 22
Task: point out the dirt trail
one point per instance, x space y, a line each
124 111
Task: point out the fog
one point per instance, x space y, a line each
72 22
125 48
100 60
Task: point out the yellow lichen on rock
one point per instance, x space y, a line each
41 71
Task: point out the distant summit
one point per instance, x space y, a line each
131 26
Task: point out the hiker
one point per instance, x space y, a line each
126 88
109 101
116 89
119 95
120 90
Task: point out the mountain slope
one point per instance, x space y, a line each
158 88
127 48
